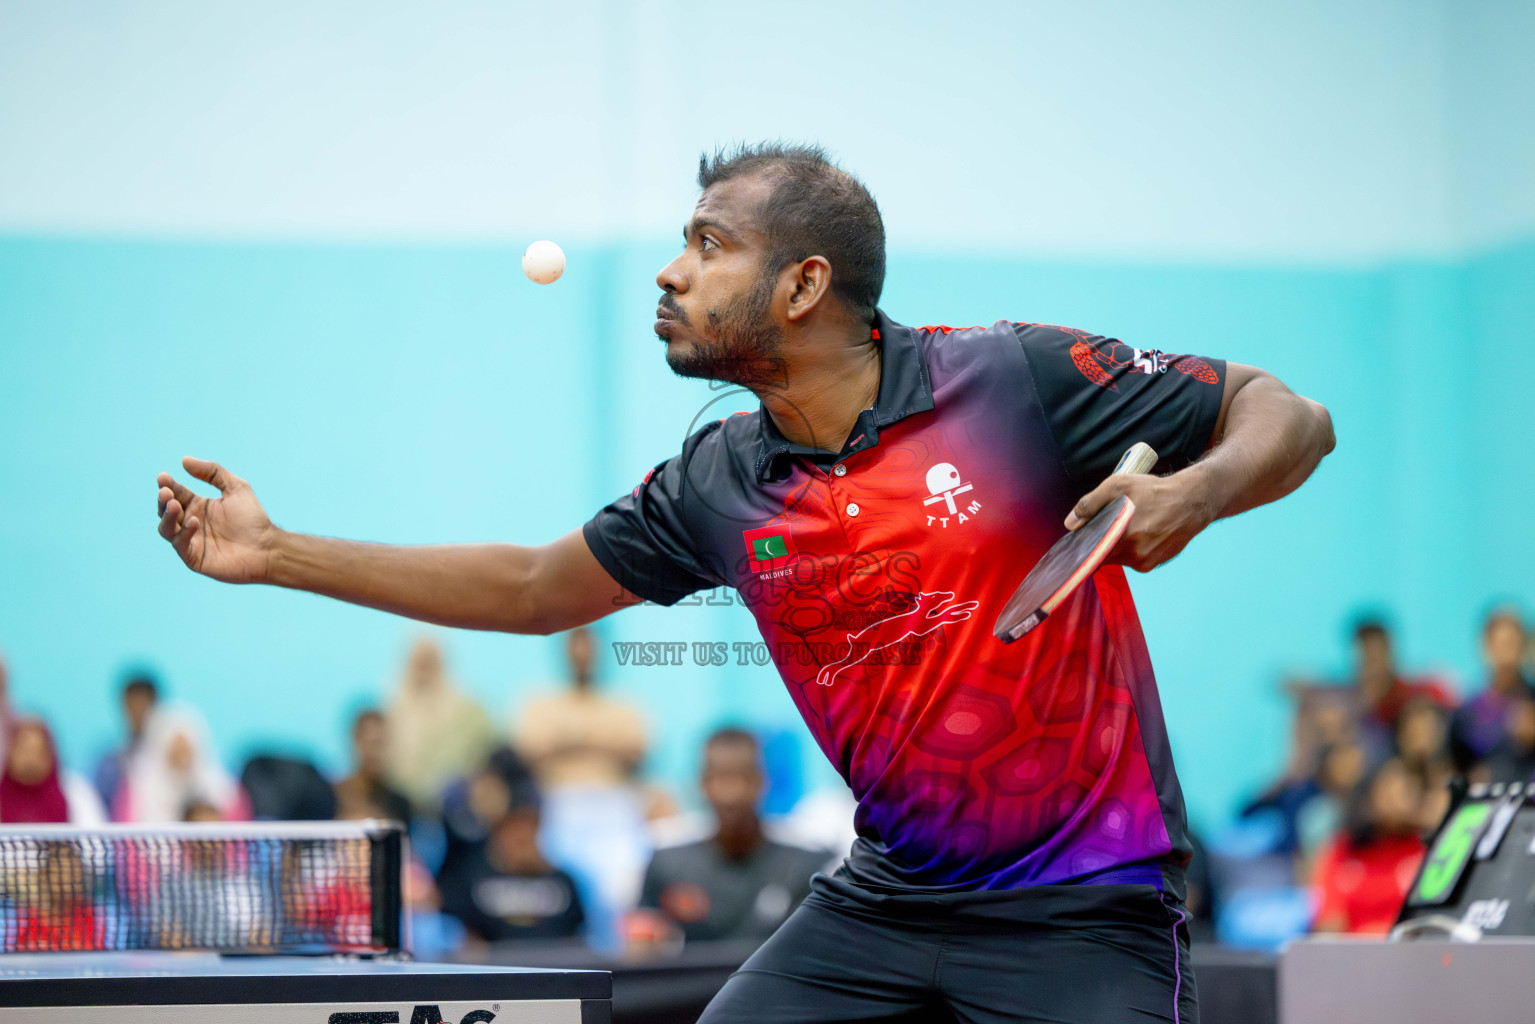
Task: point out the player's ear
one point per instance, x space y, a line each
809 281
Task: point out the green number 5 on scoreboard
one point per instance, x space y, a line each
1447 860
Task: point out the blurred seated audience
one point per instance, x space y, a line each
585 750
1307 807
1381 693
59 909
579 737
737 883
1513 758
1481 723
1422 745
287 789
7 716
432 932
368 785
1363 876
505 890
471 806
36 789
436 731
216 892
175 766
139 695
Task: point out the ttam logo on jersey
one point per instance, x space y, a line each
767 547
943 483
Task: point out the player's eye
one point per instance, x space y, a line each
706 243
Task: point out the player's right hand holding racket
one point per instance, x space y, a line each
228 538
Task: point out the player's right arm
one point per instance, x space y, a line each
505 587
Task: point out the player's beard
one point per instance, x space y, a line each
743 345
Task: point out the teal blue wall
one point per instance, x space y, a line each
430 394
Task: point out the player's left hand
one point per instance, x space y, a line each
1169 512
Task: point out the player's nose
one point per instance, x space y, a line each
671 278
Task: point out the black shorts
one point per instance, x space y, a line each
1066 954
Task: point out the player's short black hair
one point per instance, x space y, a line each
815 209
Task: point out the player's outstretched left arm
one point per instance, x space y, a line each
1267 441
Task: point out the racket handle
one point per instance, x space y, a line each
1139 459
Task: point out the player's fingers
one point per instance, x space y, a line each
1089 504
211 472
184 542
177 489
170 519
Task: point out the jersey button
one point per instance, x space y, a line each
852 508
839 470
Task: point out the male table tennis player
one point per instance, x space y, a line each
1021 830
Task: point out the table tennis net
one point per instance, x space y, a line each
253 887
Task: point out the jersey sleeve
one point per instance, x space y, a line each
643 542
1100 396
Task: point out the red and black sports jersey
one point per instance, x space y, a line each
875 575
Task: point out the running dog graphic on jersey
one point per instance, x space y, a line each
929 611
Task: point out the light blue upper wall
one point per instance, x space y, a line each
1303 131
1491 140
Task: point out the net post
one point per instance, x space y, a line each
386 843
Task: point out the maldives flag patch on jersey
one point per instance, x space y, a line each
767 547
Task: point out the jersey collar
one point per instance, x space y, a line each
904 390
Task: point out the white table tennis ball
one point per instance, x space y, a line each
544 262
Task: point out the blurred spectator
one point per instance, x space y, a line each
506 890
174 766
201 812
736 884
436 732
1422 744
1307 806
1481 723
139 696
287 789
1382 694
36 789
7 716
367 786
471 806
584 749
61 911
581 737
219 900
1342 769
1363 877
1513 759
432 932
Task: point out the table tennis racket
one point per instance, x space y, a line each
1073 558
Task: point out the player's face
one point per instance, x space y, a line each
717 315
